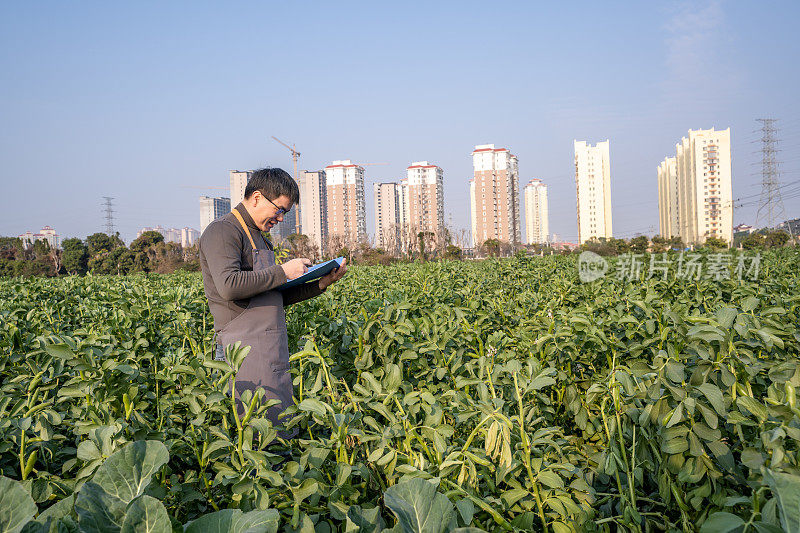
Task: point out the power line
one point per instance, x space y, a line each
109 208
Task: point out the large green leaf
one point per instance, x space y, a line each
722 523
364 520
127 472
235 521
786 489
146 515
98 511
419 508
44 522
60 351
714 396
16 506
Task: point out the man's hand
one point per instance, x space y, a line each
296 267
333 277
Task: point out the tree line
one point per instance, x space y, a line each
102 254
98 254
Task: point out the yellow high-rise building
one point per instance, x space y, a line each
696 199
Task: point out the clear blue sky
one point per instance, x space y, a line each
136 100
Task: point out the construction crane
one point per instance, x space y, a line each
295 155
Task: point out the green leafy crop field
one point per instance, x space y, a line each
497 395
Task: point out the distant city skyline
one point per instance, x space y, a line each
179 94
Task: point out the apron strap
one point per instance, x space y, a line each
244 227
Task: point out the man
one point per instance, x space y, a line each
240 275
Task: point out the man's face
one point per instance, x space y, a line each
267 213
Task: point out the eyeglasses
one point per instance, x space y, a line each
281 210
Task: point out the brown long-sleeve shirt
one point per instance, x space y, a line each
226 260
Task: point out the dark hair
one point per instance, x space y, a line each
272 183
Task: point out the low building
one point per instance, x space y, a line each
792 226
46 234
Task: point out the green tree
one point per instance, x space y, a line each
301 246
619 246
604 247
715 243
753 241
146 240
166 257
453 253
117 262
75 256
776 239
491 247
676 243
144 250
660 244
37 267
639 244
101 242
426 240
11 247
40 249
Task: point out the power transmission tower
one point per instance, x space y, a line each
109 207
770 207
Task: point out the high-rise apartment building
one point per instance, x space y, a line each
593 190
387 215
285 227
189 236
668 221
314 207
537 225
494 195
402 204
239 181
346 203
425 199
699 203
211 209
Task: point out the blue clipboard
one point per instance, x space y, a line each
313 272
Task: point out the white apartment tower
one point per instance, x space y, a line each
668 221
387 215
537 226
346 205
211 209
189 236
425 198
494 195
704 202
314 207
593 189
239 181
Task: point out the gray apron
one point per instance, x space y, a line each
262 326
